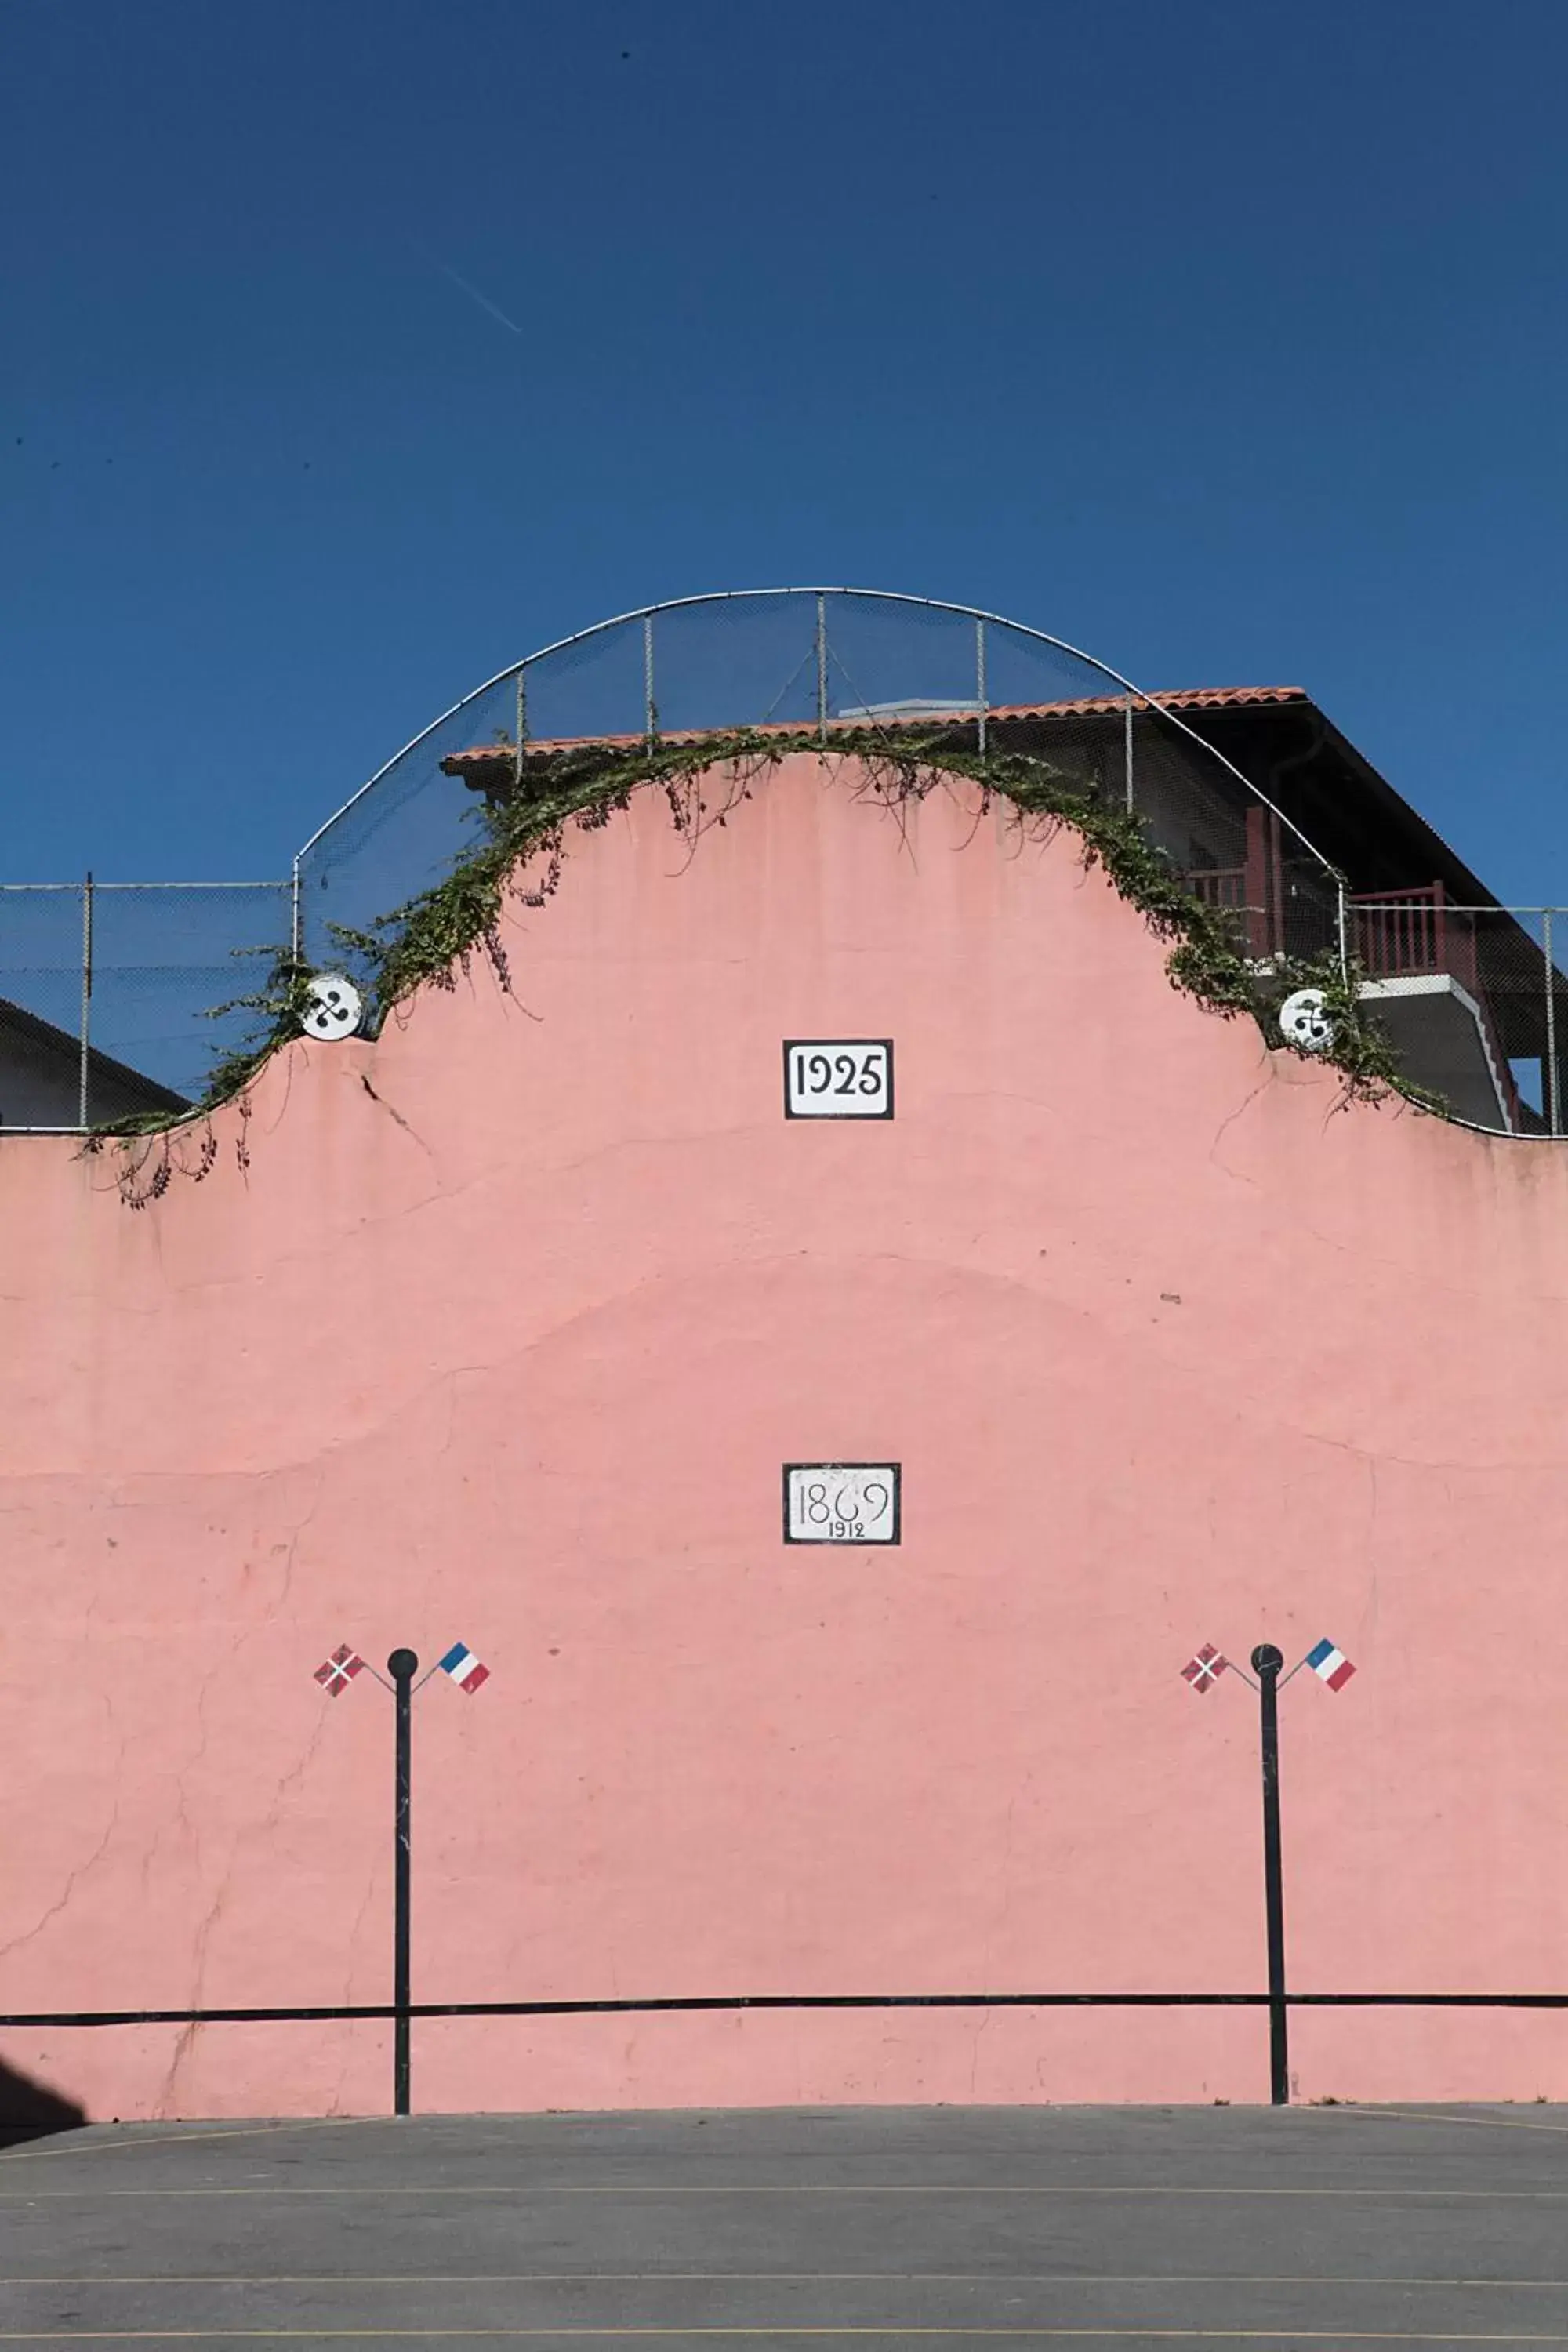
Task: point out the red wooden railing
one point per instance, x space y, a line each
1407 931
1394 934
1219 885
1257 890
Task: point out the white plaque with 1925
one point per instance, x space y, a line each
838 1077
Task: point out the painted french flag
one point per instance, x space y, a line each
464 1667
1332 1665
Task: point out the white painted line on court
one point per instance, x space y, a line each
772 2278
419 2190
184 2138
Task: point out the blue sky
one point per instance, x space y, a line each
1224 337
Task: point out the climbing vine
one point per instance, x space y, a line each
524 836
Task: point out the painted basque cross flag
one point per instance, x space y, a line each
464 1667
1204 1670
1332 1665
338 1670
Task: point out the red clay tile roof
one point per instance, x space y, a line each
1200 698
1191 698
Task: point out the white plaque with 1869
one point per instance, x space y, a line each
841 1501
838 1077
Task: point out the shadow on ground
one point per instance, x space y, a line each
29 2111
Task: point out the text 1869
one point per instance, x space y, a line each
842 1502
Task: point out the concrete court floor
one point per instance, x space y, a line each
954 2226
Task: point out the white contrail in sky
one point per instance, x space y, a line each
475 296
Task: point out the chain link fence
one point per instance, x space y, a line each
108 994
819 661
107 991
1473 1002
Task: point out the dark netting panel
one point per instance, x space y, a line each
1192 808
825 658
900 660
166 956
1473 1001
41 955
591 689
1230 846
1500 961
1089 749
1307 926
740 661
796 657
403 834
108 991
1025 672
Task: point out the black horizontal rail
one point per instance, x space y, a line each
369 2011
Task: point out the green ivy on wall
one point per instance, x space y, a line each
524 842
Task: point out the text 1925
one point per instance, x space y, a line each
845 1077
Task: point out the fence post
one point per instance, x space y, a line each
403 1665
1554 1114
651 714
980 685
86 1055
1267 1662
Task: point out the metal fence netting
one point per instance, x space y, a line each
105 991
166 959
1473 1002
809 659
110 993
401 833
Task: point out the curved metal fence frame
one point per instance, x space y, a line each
1137 696
100 981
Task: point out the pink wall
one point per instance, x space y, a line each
511 1350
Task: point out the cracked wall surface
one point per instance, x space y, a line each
503 1337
